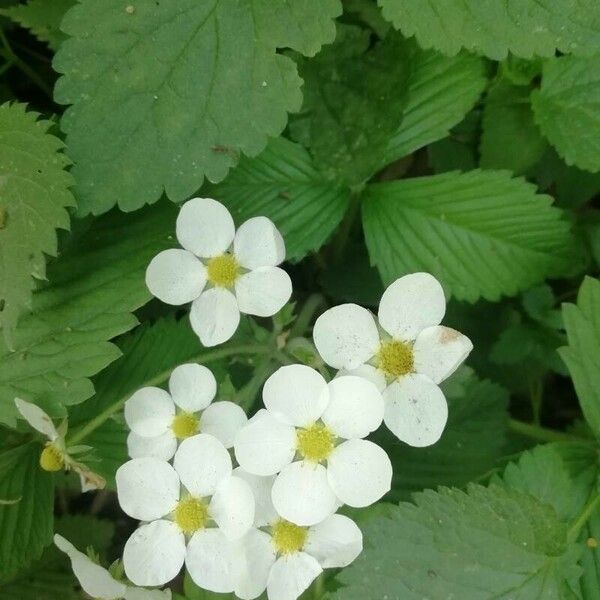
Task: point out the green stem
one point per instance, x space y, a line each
319 587
582 519
109 411
543 434
536 392
306 314
345 229
247 394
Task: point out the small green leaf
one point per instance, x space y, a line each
482 233
34 194
566 109
283 184
26 526
166 94
582 355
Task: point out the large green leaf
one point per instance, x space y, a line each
33 199
510 139
482 233
582 355
567 109
283 184
441 91
165 94
523 27
26 525
42 18
485 543
354 98
95 286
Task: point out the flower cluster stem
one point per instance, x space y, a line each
588 510
543 434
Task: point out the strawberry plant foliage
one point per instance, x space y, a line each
144 122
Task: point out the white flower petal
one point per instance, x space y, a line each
263 292
346 336
209 561
223 420
37 418
359 472
202 462
291 575
368 372
410 304
154 553
162 446
335 542
192 387
148 488
261 486
254 557
355 407
149 412
302 494
415 410
215 316
204 227
258 243
265 445
133 593
439 351
175 276
296 394
232 507
94 579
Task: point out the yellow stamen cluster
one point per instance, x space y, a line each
222 271
315 443
52 458
395 358
185 425
191 515
288 537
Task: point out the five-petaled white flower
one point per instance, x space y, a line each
159 419
97 582
311 434
223 272
192 510
407 357
278 555
56 456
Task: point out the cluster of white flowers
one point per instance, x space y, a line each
249 505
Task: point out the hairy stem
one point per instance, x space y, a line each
588 510
543 434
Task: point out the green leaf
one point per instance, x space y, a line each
35 194
485 543
441 91
167 94
523 27
472 443
95 286
283 184
510 139
482 233
582 355
28 524
566 108
354 98
42 18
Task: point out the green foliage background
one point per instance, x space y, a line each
459 137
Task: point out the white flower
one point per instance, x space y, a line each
406 357
56 456
278 555
158 419
194 504
221 271
97 582
322 425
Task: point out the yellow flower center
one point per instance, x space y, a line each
52 458
185 425
223 270
191 515
288 537
315 443
395 358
